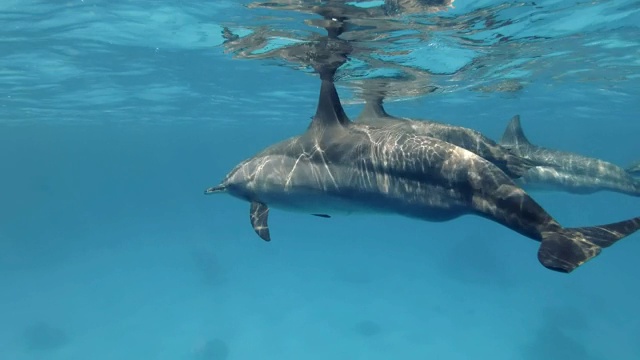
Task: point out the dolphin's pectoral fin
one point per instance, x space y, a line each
259 217
322 215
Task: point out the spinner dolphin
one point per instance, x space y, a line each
337 166
566 171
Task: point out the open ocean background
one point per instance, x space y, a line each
116 115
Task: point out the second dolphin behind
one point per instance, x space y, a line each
566 171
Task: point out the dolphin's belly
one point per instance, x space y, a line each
314 202
348 190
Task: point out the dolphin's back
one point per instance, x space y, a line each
472 140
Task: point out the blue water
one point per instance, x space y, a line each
116 115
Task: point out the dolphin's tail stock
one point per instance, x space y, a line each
566 249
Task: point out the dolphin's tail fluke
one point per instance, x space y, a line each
566 249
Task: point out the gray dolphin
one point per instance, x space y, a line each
566 171
472 140
634 169
337 166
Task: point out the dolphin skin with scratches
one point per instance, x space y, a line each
337 166
566 171
374 114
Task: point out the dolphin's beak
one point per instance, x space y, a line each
215 189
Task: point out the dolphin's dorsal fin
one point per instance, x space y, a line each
514 136
373 109
329 112
259 216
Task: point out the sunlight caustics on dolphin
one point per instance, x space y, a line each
566 171
337 166
472 140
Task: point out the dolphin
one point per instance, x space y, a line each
374 114
337 166
566 171
634 169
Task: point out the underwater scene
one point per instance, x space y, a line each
319 180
